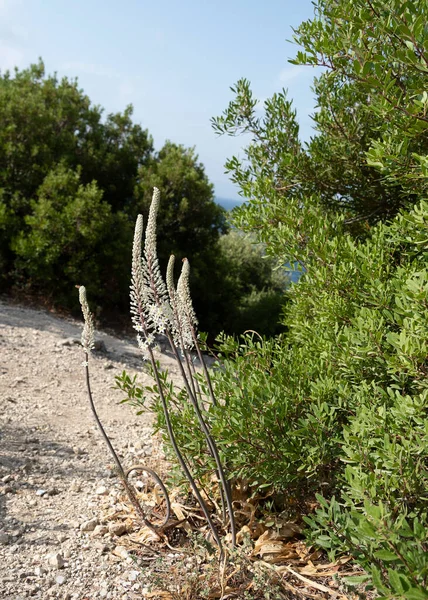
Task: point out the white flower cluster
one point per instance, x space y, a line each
156 288
88 333
145 343
186 313
160 317
137 280
155 306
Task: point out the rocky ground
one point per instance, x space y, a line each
56 480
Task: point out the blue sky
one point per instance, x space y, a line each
174 60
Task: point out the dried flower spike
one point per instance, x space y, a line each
88 337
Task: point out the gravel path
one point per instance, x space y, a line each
55 472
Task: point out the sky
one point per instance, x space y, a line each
173 60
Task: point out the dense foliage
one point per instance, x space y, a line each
336 407
71 184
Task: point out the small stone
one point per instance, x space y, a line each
7 478
41 492
33 589
133 575
69 342
103 548
52 492
4 537
89 525
60 579
117 528
39 571
56 560
99 346
121 552
101 491
108 366
16 533
100 530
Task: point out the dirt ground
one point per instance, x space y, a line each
55 471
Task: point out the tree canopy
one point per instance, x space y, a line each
72 181
367 157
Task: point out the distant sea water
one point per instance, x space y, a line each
228 203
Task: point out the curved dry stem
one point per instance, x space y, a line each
122 474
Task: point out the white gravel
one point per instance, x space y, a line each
55 471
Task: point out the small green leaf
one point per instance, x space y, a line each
386 555
356 579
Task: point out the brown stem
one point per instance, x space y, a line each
121 472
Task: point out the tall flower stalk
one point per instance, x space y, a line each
157 307
87 341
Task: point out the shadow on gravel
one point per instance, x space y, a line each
28 454
121 349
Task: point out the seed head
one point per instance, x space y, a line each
88 332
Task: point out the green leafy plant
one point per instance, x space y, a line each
354 352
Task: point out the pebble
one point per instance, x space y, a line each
103 548
121 552
101 491
89 525
4 538
56 560
100 530
60 579
79 451
117 528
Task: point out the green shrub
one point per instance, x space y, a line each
67 239
338 405
355 353
393 549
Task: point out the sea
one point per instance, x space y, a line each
228 203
